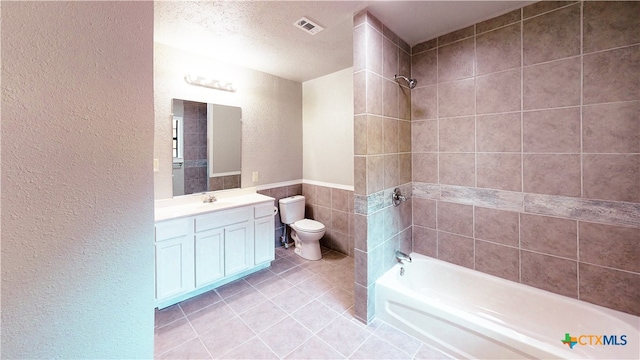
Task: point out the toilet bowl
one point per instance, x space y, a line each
306 233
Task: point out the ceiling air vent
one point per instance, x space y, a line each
308 26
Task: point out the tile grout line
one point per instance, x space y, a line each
184 315
315 334
582 192
257 334
521 141
475 137
404 334
360 345
339 315
522 103
186 341
560 107
205 347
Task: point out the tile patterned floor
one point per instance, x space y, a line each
295 309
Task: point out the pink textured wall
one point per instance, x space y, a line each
77 181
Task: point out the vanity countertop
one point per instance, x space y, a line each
193 204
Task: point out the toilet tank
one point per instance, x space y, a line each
292 209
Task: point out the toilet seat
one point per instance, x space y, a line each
308 226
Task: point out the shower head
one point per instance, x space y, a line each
412 82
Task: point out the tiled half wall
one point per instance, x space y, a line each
382 149
526 149
331 206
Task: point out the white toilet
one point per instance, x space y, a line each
305 232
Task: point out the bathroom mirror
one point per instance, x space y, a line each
207 147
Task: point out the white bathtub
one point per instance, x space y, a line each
469 314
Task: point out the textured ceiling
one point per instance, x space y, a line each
260 34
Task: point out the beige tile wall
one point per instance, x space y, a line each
278 193
334 208
526 149
382 140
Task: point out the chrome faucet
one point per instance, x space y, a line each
401 257
397 197
209 198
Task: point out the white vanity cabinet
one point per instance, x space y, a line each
174 258
197 253
208 256
226 239
264 248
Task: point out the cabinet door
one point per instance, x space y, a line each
209 256
264 240
174 266
238 247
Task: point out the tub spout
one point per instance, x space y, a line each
402 256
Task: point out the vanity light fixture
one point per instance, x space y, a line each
209 83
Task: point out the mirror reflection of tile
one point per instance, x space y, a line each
206 147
